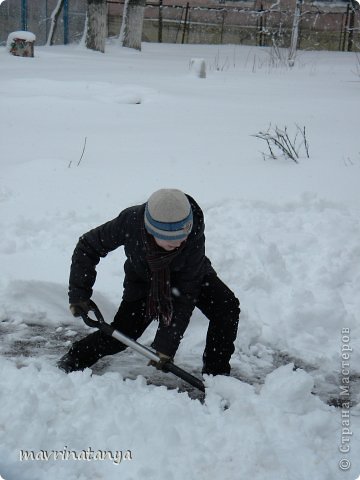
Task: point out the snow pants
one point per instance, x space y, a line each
216 301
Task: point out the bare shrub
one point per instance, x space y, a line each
282 145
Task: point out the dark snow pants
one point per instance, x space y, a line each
216 301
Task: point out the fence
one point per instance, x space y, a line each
249 23
334 28
35 16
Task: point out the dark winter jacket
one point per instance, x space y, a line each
187 270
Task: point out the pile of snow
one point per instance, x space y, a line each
283 236
20 35
162 433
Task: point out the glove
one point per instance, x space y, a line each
79 308
163 359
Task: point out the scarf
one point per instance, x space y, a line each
159 302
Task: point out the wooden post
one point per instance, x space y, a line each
346 26
261 26
160 21
351 25
185 21
179 26
222 26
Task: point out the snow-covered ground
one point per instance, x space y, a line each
284 236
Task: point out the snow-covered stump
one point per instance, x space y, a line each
198 67
21 44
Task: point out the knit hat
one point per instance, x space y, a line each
168 215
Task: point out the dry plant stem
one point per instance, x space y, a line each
82 154
289 148
280 138
83 151
306 144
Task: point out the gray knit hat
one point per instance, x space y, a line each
168 215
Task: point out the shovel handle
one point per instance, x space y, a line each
184 375
147 352
99 322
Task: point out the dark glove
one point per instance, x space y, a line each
163 360
79 308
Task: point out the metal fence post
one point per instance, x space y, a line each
66 21
24 13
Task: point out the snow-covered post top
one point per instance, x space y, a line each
198 67
21 43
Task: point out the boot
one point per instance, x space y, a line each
68 363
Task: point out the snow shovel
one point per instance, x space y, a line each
169 366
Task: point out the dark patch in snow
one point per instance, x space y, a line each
326 384
35 340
